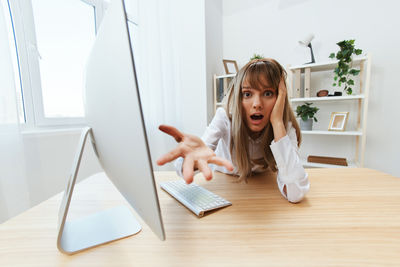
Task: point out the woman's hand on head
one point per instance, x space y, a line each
277 112
196 154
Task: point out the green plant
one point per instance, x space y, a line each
344 67
256 56
306 112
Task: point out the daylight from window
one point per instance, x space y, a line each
65 31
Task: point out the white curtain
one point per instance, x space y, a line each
158 72
14 194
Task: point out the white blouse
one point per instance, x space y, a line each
290 170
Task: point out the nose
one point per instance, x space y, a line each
257 103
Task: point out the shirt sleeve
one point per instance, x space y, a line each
290 170
178 166
217 128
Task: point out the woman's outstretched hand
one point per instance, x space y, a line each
196 154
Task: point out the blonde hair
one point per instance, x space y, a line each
256 72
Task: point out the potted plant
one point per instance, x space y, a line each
256 56
307 113
344 68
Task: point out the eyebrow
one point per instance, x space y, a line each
263 88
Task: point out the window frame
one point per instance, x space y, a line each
29 68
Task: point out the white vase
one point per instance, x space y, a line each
306 125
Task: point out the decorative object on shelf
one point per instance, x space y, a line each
344 66
307 42
307 114
336 93
230 66
327 160
322 93
338 121
257 56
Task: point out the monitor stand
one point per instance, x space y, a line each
96 229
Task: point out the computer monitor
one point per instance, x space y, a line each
117 130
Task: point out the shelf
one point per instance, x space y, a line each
350 133
320 165
225 76
327 98
325 65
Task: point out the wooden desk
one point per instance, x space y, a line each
350 217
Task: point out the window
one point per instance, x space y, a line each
64 33
53 39
14 58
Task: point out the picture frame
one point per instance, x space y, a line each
230 66
338 121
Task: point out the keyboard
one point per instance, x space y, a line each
196 198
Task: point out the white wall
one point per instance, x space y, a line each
274 27
190 21
213 18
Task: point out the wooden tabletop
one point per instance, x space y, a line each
350 217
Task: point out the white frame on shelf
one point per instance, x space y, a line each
294 81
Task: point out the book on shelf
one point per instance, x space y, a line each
327 160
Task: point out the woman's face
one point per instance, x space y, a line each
257 104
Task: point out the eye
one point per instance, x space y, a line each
246 94
268 93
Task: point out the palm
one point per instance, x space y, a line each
196 154
192 146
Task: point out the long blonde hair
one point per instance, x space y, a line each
254 73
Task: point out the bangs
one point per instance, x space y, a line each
263 74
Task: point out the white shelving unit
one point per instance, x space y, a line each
299 94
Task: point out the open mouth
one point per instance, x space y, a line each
257 117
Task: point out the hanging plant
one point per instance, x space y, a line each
344 67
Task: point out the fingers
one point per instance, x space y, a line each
282 88
172 131
222 162
188 167
170 156
203 167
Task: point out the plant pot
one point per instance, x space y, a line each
306 125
